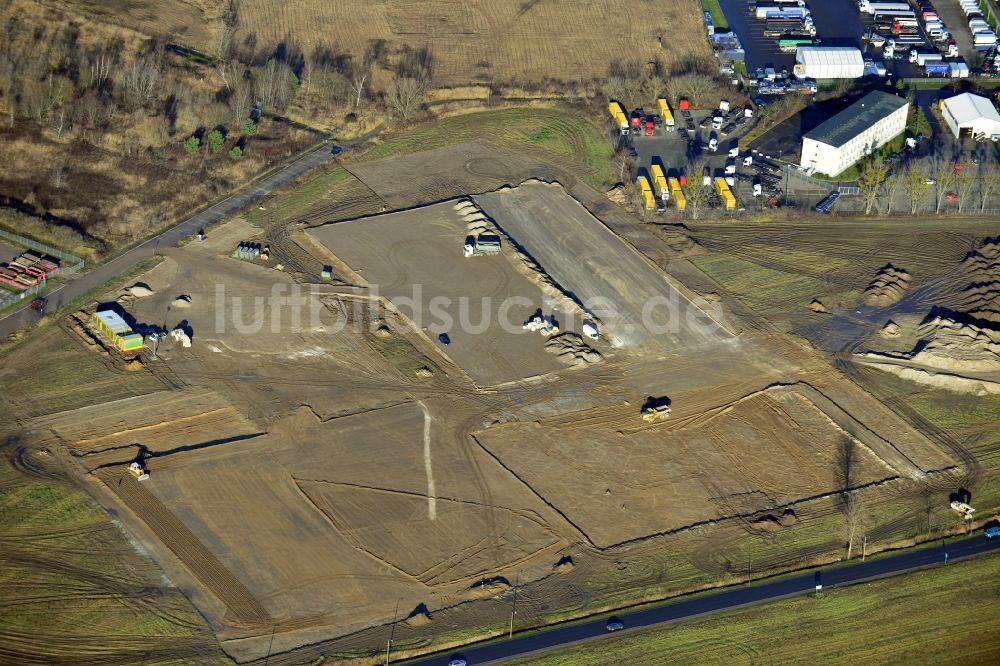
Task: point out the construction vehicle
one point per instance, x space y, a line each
675 191
138 471
646 191
660 185
666 114
655 409
483 244
618 115
538 323
963 508
590 329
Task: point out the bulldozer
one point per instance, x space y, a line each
655 409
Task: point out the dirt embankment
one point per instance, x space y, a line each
888 286
964 342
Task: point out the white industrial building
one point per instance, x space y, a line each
821 62
855 132
971 115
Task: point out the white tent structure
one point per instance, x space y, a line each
821 62
971 115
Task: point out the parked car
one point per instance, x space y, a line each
336 149
992 532
614 624
38 305
444 339
457 661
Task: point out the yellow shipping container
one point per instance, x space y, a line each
660 186
728 200
675 185
679 200
614 108
721 186
647 193
665 113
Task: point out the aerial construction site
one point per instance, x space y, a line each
407 415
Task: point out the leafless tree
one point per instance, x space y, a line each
622 163
240 100
406 95
943 174
139 82
893 186
989 182
965 180
360 71
848 498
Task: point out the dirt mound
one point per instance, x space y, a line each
817 306
887 287
135 365
383 331
890 330
424 373
570 349
489 587
420 617
942 380
953 345
182 301
617 194
564 565
139 290
981 297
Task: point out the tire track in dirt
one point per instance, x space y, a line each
242 607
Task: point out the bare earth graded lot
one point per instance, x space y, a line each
612 280
414 259
316 457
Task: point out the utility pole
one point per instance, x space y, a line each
749 563
864 547
513 609
392 632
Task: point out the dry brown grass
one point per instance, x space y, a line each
476 40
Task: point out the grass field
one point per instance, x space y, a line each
560 136
75 588
930 617
718 18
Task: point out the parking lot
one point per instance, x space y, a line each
676 151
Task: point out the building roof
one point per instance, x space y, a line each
968 108
833 56
856 118
113 321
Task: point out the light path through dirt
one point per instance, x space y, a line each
431 495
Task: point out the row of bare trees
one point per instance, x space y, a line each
918 181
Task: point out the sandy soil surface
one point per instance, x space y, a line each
414 259
629 295
321 466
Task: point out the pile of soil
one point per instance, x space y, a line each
890 330
570 349
958 345
617 194
981 269
817 306
139 290
887 287
182 301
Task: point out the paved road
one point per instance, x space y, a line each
494 652
183 229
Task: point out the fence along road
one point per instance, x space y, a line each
188 227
